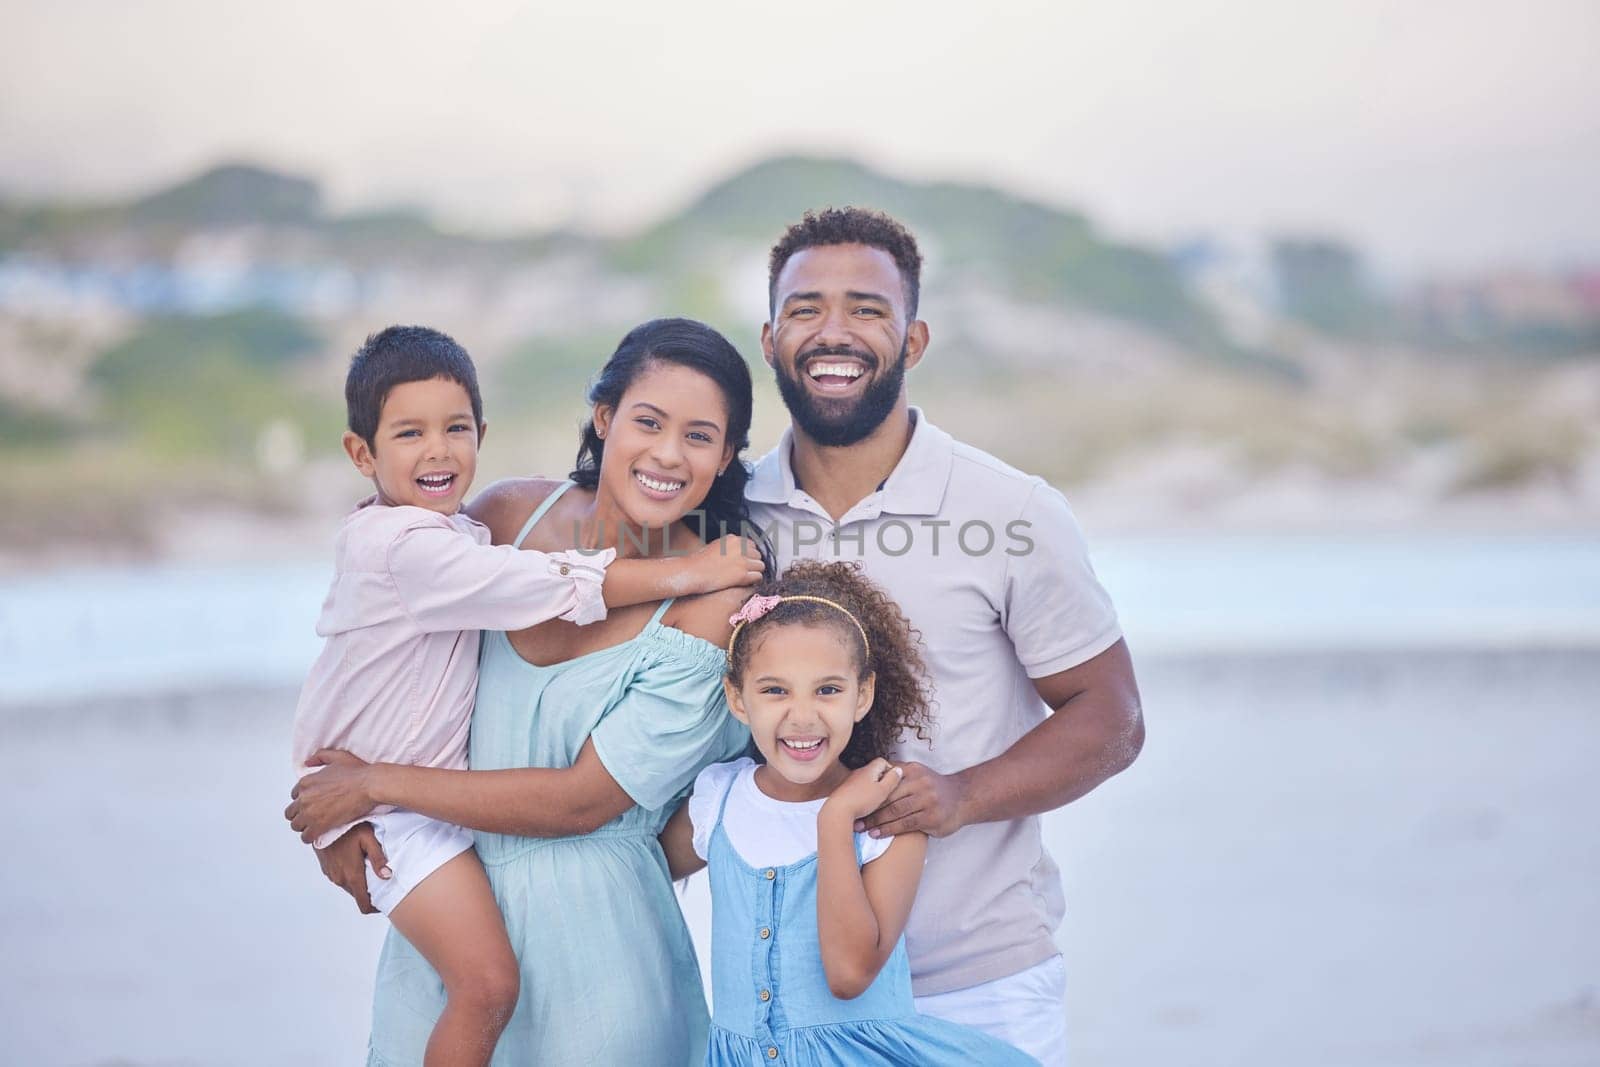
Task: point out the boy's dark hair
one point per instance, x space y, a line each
849 226
901 703
398 355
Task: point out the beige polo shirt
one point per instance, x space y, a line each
989 564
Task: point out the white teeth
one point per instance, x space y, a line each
835 370
436 481
803 744
659 486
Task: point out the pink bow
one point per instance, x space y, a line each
753 609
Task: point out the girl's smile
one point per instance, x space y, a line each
802 696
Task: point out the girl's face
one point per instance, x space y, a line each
665 443
801 698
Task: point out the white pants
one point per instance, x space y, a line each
1027 1009
415 847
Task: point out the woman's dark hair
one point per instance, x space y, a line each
398 355
684 343
900 700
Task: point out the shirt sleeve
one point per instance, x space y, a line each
872 847
710 786
1055 610
447 581
672 721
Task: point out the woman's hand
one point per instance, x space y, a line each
331 797
863 792
345 863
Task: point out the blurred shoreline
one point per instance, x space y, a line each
1397 835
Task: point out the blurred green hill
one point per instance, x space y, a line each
1036 252
201 330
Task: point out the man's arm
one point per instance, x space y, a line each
1095 730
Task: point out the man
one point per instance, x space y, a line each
1035 699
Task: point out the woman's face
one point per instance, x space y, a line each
666 441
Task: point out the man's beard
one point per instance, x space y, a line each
840 423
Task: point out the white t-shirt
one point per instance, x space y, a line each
763 831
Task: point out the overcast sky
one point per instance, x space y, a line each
1434 134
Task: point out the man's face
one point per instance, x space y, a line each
839 341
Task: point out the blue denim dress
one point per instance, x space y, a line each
608 969
771 996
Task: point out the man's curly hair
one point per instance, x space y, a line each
900 702
849 226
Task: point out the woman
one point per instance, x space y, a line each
583 739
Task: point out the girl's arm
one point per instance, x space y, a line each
527 802
677 841
861 912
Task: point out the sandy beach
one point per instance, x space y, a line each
1320 859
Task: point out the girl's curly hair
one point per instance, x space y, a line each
900 702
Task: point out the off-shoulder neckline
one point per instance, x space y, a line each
695 647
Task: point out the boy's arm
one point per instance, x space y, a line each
677 841
723 564
447 581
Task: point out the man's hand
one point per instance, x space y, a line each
726 563
924 800
345 862
333 796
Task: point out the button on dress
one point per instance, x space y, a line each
771 995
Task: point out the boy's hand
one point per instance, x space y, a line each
345 862
863 792
729 561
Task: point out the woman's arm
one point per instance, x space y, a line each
527 802
861 912
677 841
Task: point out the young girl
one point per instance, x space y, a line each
807 961
415 581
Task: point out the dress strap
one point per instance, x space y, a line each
538 512
661 610
733 780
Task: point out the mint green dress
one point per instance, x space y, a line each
608 969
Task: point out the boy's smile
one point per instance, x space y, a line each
802 696
425 451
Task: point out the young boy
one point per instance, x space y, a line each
415 581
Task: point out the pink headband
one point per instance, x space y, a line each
757 606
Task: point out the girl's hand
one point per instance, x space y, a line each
864 791
331 797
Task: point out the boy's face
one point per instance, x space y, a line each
425 452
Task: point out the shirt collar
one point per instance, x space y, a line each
916 486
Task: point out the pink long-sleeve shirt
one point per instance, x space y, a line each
411 590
